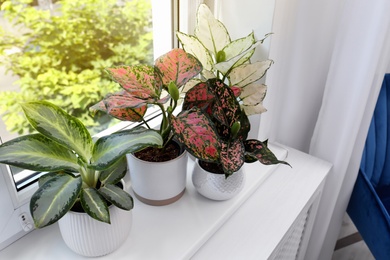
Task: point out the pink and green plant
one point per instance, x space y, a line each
147 85
214 128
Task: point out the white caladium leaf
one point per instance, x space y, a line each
237 47
226 66
193 46
248 73
210 31
207 74
252 98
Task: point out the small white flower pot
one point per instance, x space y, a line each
89 237
158 183
217 186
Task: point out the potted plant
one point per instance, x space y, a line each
227 59
82 175
214 129
158 175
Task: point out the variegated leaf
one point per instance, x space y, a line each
232 156
122 106
140 81
54 199
210 31
94 204
228 65
195 130
114 173
38 153
252 98
246 74
198 96
226 108
117 196
193 46
109 149
177 66
58 125
257 149
239 46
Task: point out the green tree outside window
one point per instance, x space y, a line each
60 55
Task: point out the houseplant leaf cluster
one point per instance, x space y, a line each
147 85
79 168
214 128
228 60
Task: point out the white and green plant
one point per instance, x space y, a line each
228 60
78 168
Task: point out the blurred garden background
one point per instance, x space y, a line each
58 51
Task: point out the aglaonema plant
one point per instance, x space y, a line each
213 128
147 85
78 168
227 59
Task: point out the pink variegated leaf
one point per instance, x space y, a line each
128 114
226 108
198 96
232 156
163 100
140 81
122 106
177 66
195 130
256 150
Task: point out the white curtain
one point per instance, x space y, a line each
330 58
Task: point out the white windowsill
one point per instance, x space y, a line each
195 227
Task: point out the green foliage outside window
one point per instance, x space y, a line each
60 55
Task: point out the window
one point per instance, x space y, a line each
58 52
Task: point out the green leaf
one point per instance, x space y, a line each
59 126
117 196
210 31
38 153
115 173
54 199
110 148
94 204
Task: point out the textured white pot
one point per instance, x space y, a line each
158 183
89 237
216 186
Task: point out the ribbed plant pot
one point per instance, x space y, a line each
217 186
158 183
89 237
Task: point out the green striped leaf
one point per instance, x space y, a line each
117 196
59 126
94 205
38 153
114 173
54 198
111 148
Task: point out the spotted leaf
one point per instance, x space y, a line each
257 150
195 130
232 156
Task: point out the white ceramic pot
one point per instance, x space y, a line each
89 237
158 183
216 186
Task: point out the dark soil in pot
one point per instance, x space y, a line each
152 154
211 167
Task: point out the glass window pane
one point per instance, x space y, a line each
57 51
